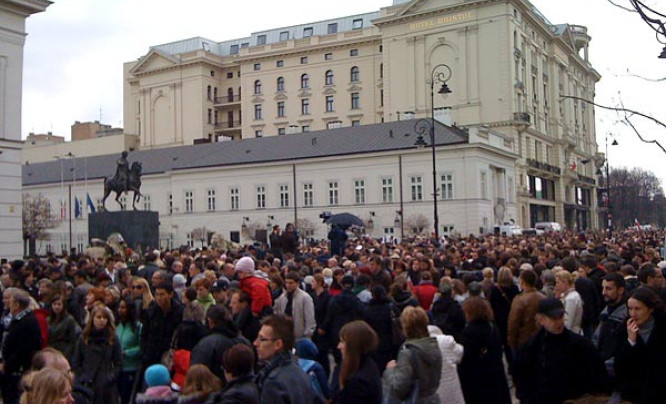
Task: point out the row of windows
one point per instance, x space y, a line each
332 28
354 77
304 59
355 103
308 194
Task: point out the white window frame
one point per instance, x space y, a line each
260 191
284 195
359 192
146 202
333 193
416 188
308 194
387 190
234 198
446 185
211 199
188 197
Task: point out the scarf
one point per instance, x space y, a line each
279 359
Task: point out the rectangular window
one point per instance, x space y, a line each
328 56
210 196
258 133
387 190
245 45
305 106
329 103
355 122
280 109
333 193
146 202
233 50
284 36
210 116
357 23
353 52
332 28
257 112
359 192
230 75
306 128
257 66
282 131
417 187
279 63
284 196
304 60
170 203
235 198
261 197
447 186
355 101
308 195
189 201
307 32
261 40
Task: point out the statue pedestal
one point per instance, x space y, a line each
137 227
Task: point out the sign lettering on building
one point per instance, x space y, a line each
447 19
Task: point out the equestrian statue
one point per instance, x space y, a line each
126 179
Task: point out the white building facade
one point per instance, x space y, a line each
13 14
236 188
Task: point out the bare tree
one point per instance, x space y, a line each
636 195
200 234
37 219
252 228
305 227
418 224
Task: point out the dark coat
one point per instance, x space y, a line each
241 390
378 314
338 238
98 364
62 335
189 333
641 369
21 342
481 371
364 386
289 242
591 301
209 350
611 333
282 381
403 299
158 330
276 245
247 324
344 308
551 368
449 317
500 300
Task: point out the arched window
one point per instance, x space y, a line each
305 81
257 87
354 74
329 77
208 92
230 94
280 83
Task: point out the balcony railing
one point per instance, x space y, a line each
522 117
587 180
228 99
543 166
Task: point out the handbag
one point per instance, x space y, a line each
413 397
167 357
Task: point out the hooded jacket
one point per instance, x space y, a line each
427 370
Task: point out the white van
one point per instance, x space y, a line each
508 230
548 227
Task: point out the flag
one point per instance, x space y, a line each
89 201
63 210
636 224
77 208
573 166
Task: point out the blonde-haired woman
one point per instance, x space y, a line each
97 360
141 293
47 386
419 359
573 303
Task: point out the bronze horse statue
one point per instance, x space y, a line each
116 185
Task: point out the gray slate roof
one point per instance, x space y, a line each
365 139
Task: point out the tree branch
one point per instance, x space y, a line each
616 109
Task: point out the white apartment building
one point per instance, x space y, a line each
509 67
235 188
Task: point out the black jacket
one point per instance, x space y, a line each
209 350
22 341
379 314
247 324
281 381
344 308
641 369
189 333
551 368
449 317
158 330
481 371
97 364
403 299
364 386
611 332
241 390
591 301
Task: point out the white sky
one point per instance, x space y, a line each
75 51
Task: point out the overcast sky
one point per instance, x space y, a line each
75 51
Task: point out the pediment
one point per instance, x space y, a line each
257 99
423 6
354 88
304 93
280 97
154 60
329 91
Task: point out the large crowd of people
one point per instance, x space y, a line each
551 318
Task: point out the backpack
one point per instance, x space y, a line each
308 366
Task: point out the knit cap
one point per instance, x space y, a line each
245 264
157 375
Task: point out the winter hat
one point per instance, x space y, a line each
157 375
306 349
246 265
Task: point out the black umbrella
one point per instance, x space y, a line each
345 220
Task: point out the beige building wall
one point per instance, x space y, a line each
97 146
508 70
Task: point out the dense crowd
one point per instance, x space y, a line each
562 317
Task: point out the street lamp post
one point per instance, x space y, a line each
440 74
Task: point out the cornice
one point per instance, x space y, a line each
397 19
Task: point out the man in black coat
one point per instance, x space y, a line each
276 244
556 364
162 318
611 333
22 341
